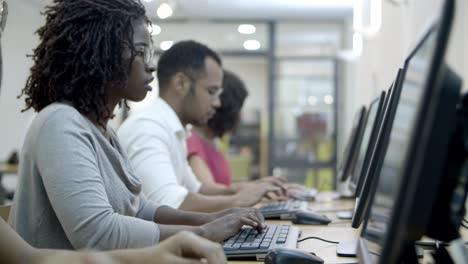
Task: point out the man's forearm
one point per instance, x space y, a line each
216 189
168 215
202 203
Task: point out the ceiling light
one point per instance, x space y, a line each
252 44
328 99
312 100
164 11
246 29
149 1
154 29
167 44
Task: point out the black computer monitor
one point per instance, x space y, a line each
413 163
367 188
374 117
349 155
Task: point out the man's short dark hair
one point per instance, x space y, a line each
184 56
232 99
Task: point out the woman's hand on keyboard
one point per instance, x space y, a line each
230 223
240 211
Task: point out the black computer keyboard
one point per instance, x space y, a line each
251 243
250 238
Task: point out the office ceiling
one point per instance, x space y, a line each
248 9
292 38
257 9
193 19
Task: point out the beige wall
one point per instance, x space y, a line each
254 72
18 40
375 69
401 28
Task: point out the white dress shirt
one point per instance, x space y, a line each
155 142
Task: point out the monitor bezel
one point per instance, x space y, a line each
349 155
380 101
369 183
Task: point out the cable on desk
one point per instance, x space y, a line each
433 244
430 244
318 238
464 225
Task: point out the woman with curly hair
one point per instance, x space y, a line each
76 187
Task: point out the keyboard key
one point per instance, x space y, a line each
281 240
257 240
265 245
241 240
248 246
250 238
231 240
232 247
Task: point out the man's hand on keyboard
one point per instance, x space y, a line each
294 188
253 193
276 197
229 224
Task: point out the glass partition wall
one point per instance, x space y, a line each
303 136
289 120
304 103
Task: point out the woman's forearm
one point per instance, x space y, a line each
170 230
168 215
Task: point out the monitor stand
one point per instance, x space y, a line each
344 214
343 195
348 249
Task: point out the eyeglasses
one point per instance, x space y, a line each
3 15
145 52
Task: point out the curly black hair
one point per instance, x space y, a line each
232 98
80 54
186 56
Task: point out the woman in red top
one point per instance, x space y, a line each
207 162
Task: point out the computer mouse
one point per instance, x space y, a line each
302 217
291 256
